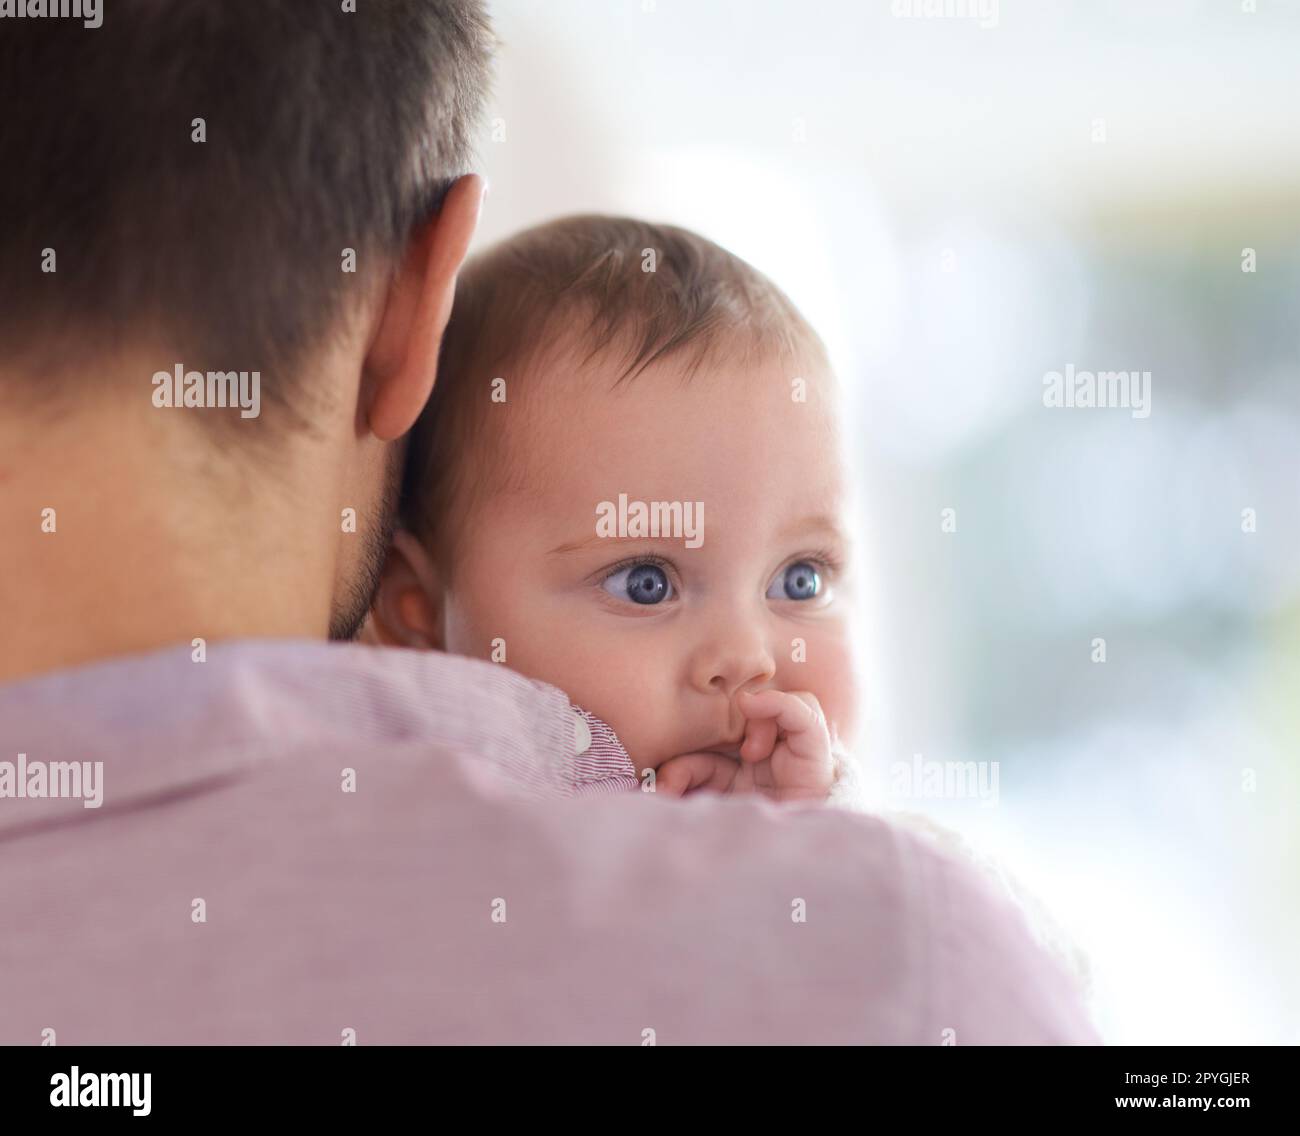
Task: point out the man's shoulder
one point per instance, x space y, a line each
910 931
323 814
172 719
397 886
858 926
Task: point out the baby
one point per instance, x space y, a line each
628 484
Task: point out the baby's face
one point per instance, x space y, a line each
652 635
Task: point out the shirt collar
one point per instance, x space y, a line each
165 722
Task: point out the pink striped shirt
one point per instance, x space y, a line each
299 840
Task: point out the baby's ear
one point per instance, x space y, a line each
407 610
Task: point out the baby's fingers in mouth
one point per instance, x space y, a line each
760 739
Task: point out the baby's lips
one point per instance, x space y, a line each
722 749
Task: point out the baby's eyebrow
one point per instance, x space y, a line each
595 541
822 524
825 525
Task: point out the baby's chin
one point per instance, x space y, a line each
645 764
645 750
656 763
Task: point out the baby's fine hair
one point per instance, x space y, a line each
623 291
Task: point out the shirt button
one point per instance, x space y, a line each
582 733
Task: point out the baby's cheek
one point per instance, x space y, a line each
827 671
637 711
626 689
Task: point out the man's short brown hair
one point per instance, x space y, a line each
323 130
624 291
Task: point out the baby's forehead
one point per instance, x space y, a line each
724 376
730 427
566 390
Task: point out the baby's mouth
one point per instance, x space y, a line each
724 749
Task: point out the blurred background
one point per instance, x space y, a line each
961 204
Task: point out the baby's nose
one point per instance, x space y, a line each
732 663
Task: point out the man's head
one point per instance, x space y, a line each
262 186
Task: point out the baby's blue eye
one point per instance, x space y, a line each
640 583
799 581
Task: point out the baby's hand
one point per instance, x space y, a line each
786 754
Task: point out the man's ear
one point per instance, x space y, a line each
407 611
402 362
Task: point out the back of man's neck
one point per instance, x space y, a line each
122 536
